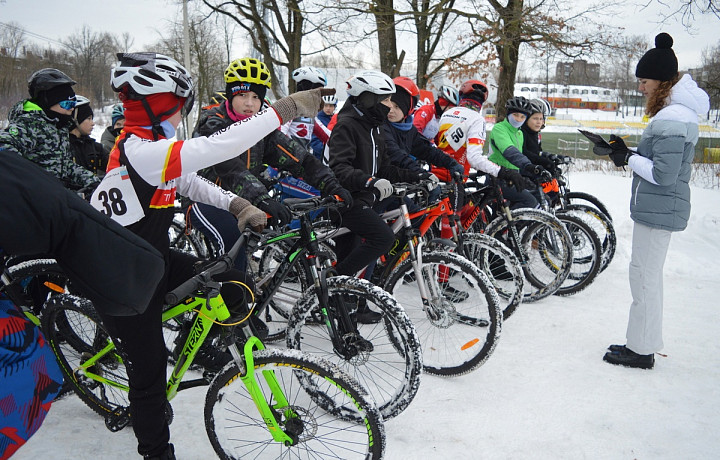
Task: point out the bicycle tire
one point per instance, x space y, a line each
338 418
500 265
34 281
548 247
192 242
574 197
75 332
602 225
587 255
450 346
391 371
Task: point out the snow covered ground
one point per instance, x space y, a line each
545 393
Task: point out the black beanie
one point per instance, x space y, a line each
235 87
52 96
403 100
83 112
660 62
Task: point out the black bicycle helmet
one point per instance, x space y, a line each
518 104
45 79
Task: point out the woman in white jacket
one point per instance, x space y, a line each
660 202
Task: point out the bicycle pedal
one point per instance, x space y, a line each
118 419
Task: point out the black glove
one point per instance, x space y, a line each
546 162
343 193
457 169
537 171
620 153
512 177
278 211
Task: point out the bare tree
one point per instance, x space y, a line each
90 56
686 10
709 76
12 78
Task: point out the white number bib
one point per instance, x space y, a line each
116 198
456 135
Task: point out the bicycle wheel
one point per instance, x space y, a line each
500 265
587 255
237 430
389 368
547 247
75 334
192 242
460 325
603 227
588 199
34 281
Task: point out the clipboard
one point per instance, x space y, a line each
596 139
601 146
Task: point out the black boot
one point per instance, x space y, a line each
628 358
167 454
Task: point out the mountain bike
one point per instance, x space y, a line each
540 241
385 357
263 404
587 207
452 304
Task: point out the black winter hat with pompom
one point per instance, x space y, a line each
660 62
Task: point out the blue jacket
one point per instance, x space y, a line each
661 171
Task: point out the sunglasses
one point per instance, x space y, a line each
67 104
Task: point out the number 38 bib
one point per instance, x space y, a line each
116 198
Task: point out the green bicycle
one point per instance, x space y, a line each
263 404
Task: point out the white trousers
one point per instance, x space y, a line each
649 248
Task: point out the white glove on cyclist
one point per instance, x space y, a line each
435 182
383 186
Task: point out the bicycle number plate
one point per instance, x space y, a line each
456 135
116 198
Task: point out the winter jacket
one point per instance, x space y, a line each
158 170
35 136
108 139
426 122
403 140
661 170
318 145
89 154
114 268
462 136
240 174
302 130
357 153
506 144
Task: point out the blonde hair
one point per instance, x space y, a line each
659 98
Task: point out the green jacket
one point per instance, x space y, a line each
35 136
506 144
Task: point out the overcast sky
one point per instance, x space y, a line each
145 19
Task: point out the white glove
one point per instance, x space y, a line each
383 186
435 182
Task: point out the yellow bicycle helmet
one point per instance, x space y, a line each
249 70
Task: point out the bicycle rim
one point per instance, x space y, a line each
603 227
587 255
336 420
500 265
391 370
458 332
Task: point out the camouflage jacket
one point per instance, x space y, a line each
35 136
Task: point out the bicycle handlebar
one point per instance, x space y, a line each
215 267
304 205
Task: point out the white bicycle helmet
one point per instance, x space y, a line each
81 100
450 94
371 81
142 74
311 74
540 106
331 99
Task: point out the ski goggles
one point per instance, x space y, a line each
67 104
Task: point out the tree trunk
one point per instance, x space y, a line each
508 55
387 42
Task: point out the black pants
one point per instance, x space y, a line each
521 199
370 238
141 340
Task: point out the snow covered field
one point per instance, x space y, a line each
545 393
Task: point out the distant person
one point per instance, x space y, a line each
301 129
117 122
324 116
660 201
38 128
427 117
85 150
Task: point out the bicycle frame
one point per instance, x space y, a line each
210 308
